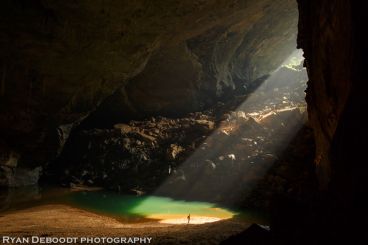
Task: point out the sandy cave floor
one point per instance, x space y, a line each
62 220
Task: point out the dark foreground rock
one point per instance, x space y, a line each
254 235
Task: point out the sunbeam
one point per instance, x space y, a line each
231 161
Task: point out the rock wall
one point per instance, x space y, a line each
325 28
192 73
60 60
332 35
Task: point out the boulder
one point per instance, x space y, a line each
124 128
173 151
205 124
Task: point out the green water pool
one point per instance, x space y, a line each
158 208
127 208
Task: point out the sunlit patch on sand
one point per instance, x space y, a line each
216 214
196 220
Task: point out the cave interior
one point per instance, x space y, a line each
252 105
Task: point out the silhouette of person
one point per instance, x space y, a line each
188 218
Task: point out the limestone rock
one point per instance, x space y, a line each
9 158
174 150
19 177
124 128
205 124
146 137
